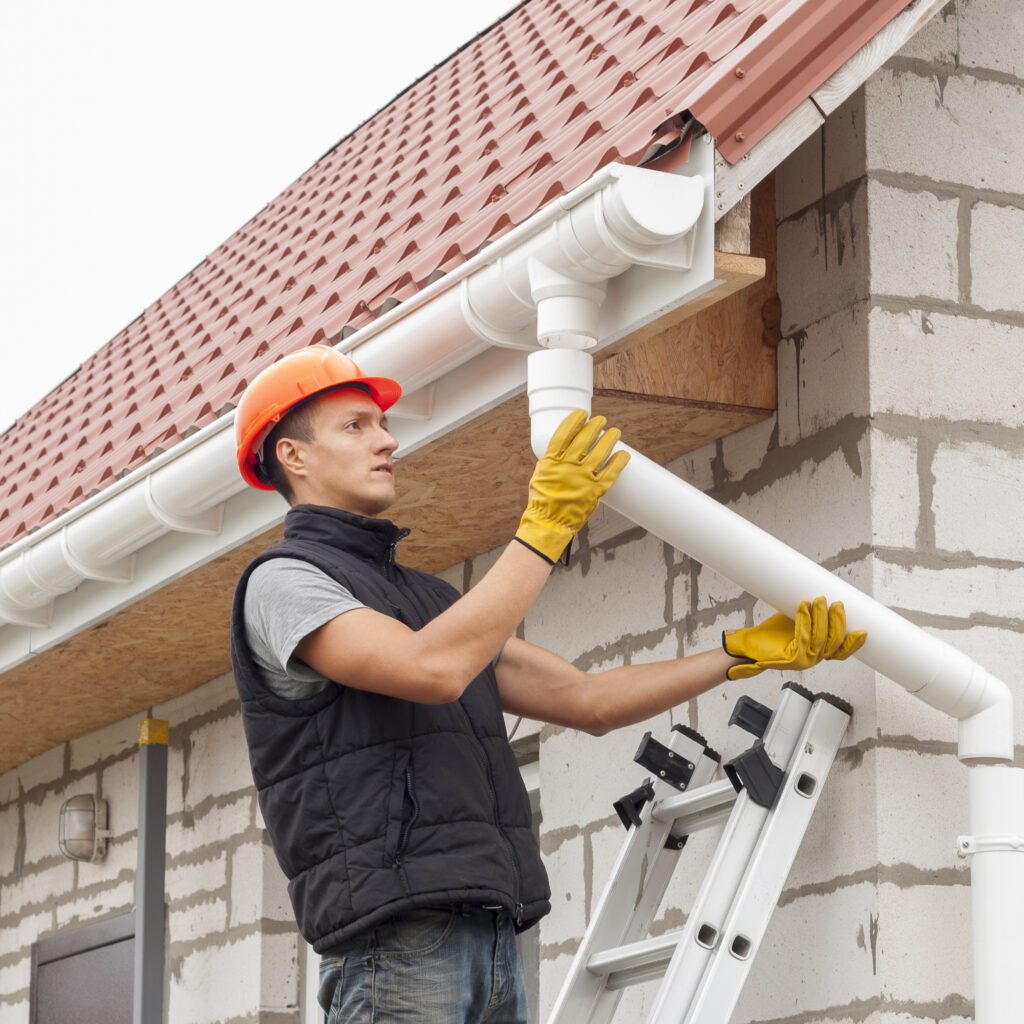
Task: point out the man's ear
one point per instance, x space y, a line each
291 454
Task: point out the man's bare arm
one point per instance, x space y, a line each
370 651
536 683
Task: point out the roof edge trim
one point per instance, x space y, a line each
733 181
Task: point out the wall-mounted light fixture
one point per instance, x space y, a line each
83 828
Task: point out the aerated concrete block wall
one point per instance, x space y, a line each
896 460
233 952
945 162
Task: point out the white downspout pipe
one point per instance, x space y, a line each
996 849
560 380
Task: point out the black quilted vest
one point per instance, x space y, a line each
377 805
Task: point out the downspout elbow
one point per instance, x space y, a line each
986 733
957 685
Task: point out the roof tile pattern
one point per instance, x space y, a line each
524 113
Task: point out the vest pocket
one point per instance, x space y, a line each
403 809
410 812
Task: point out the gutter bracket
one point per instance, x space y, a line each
208 522
416 405
1007 842
121 571
523 339
35 618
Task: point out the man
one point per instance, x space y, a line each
372 699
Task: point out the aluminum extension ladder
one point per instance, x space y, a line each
766 801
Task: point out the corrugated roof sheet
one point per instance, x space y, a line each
525 112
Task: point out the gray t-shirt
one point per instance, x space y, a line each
285 600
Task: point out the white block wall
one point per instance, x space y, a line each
896 460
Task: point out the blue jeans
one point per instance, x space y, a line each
430 966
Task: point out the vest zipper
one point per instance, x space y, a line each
403 836
389 557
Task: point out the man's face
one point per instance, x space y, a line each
348 465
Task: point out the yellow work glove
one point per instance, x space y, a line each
819 633
568 482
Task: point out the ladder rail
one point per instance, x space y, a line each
766 805
766 874
717 892
629 901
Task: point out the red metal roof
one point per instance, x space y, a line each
523 113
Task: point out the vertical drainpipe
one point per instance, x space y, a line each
148 988
996 852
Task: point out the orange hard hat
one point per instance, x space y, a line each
289 382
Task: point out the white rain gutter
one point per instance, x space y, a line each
622 218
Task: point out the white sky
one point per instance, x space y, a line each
136 137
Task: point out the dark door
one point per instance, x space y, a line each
85 976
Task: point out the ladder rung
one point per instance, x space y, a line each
696 809
636 962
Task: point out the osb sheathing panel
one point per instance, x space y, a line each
670 392
160 647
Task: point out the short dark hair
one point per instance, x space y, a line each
296 424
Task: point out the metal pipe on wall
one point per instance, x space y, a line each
148 990
996 852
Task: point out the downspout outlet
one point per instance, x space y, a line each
567 308
559 380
